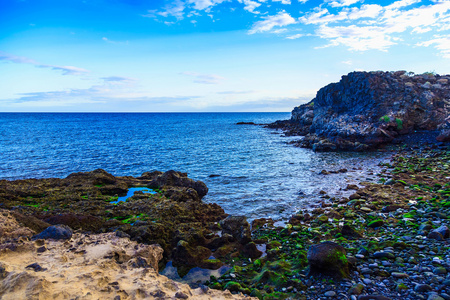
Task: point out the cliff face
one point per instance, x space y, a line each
366 109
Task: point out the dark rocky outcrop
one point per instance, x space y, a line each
175 217
368 109
174 179
238 227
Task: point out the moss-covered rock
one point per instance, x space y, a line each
329 259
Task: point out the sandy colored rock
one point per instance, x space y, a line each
10 228
100 266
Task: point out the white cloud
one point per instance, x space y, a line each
422 29
323 16
17 59
269 22
117 79
179 8
402 3
250 5
101 97
366 11
441 43
342 3
205 4
287 2
175 9
373 26
295 36
356 38
66 70
204 78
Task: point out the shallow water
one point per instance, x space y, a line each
260 174
131 192
195 276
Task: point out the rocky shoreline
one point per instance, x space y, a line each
393 233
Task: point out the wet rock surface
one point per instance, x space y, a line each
368 109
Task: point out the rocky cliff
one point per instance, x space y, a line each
366 109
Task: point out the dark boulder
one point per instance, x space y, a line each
444 231
57 232
85 222
178 179
328 259
238 227
350 233
250 250
444 136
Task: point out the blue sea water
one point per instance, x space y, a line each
260 174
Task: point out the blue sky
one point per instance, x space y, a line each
206 55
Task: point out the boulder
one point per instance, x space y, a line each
57 232
238 227
444 231
177 179
250 250
444 136
350 233
329 259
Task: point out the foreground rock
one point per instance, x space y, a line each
98 266
368 109
329 259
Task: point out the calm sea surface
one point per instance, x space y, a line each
260 174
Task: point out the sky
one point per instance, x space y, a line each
206 55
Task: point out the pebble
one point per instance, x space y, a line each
422 288
330 294
399 275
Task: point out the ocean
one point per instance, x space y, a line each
259 173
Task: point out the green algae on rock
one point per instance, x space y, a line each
174 217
